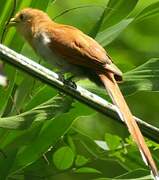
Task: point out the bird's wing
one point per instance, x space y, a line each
80 49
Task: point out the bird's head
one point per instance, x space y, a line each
27 19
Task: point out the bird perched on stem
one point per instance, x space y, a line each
70 50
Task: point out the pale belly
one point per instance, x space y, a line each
41 47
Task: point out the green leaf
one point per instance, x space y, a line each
44 111
6 163
50 133
141 178
5 9
116 11
22 94
148 12
40 4
112 141
16 139
138 174
12 40
39 97
69 141
47 136
142 78
72 9
63 158
142 173
5 94
81 160
108 35
87 170
90 146
74 13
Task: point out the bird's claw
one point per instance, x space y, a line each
70 83
67 82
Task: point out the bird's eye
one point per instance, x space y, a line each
21 16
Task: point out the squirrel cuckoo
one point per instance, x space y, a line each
70 50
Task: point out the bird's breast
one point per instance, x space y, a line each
41 43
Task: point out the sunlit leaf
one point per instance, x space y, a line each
63 158
42 112
116 11
148 12
112 141
81 160
87 170
50 133
108 35
39 97
139 174
142 78
72 9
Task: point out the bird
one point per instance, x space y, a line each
72 51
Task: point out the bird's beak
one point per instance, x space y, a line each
12 22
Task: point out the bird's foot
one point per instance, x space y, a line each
71 83
68 81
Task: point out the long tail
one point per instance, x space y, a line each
124 112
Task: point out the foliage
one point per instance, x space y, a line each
47 135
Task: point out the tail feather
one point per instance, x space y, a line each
124 112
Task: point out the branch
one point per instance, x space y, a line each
51 78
